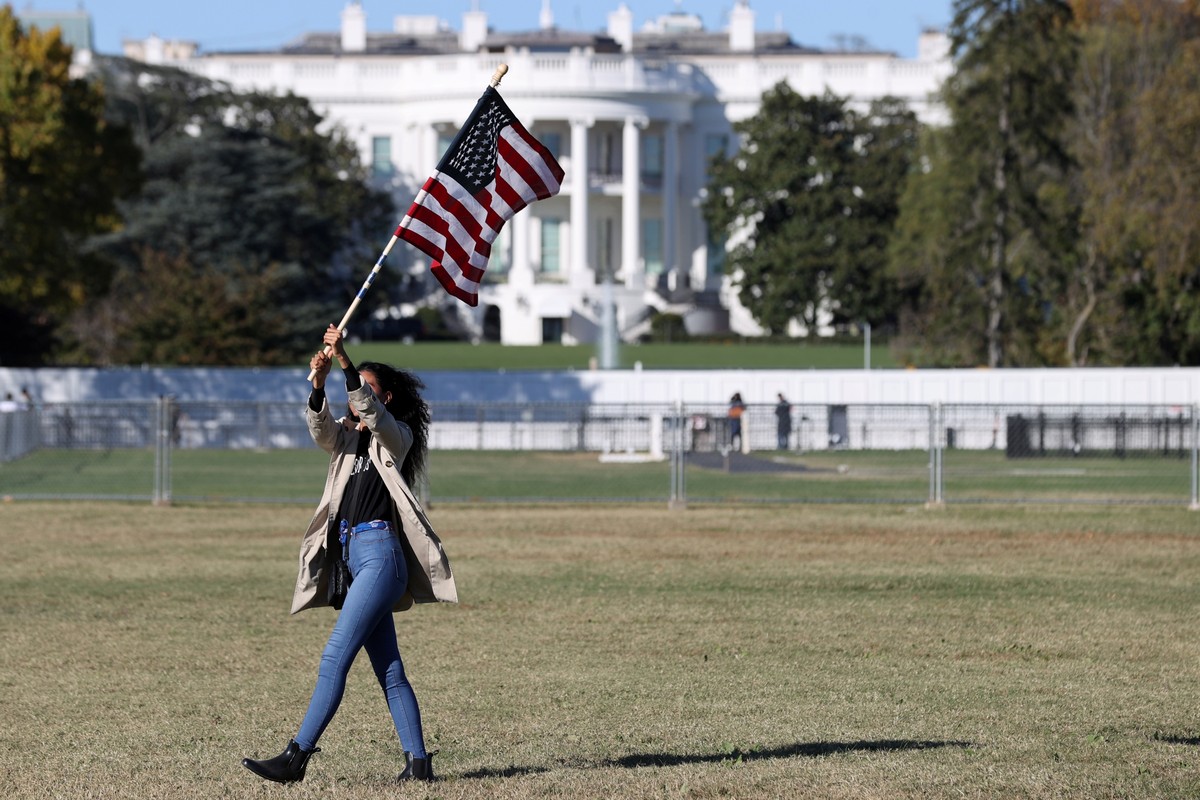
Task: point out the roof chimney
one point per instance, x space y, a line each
474 29
933 45
620 27
546 18
155 50
354 28
741 27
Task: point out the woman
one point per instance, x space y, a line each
369 519
736 409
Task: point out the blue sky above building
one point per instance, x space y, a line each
891 25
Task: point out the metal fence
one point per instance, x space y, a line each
162 451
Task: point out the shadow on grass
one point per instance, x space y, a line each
811 750
1192 740
506 772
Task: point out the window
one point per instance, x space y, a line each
551 246
604 248
652 157
607 154
716 257
443 144
491 324
552 330
553 142
652 245
501 259
381 156
715 144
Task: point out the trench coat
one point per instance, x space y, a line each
430 579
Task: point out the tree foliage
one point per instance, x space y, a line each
808 203
998 195
236 184
62 168
172 312
231 174
925 255
1052 222
1133 298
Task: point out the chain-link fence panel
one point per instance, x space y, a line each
608 428
795 453
194 451
243 451
1067 454
549 452
238 426
101 450
478 452
546 476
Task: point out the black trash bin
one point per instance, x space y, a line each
1017 434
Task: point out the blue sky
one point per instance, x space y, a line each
264 24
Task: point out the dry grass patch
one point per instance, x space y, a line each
620 652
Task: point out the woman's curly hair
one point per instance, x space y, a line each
409 407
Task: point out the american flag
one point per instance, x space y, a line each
492 169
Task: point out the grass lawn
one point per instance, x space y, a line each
734 354
877 651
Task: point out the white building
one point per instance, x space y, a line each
631 115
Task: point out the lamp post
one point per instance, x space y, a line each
608 326
866 345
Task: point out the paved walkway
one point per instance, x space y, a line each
741 462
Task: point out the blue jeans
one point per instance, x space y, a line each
376 562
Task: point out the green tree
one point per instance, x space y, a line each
924 257
999 194
178 313
62 167
236 183
808 204
886 149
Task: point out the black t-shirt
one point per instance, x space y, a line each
366 497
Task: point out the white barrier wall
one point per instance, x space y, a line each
1034 386
1172 386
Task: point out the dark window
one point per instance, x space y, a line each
552 330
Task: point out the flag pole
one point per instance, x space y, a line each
497 76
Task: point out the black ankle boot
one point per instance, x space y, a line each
287 767
417 769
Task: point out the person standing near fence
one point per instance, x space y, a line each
783 422
736 409
369 550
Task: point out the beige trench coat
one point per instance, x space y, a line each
429 577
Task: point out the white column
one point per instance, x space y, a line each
429 145
670 195
631 208
521 271
579 269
